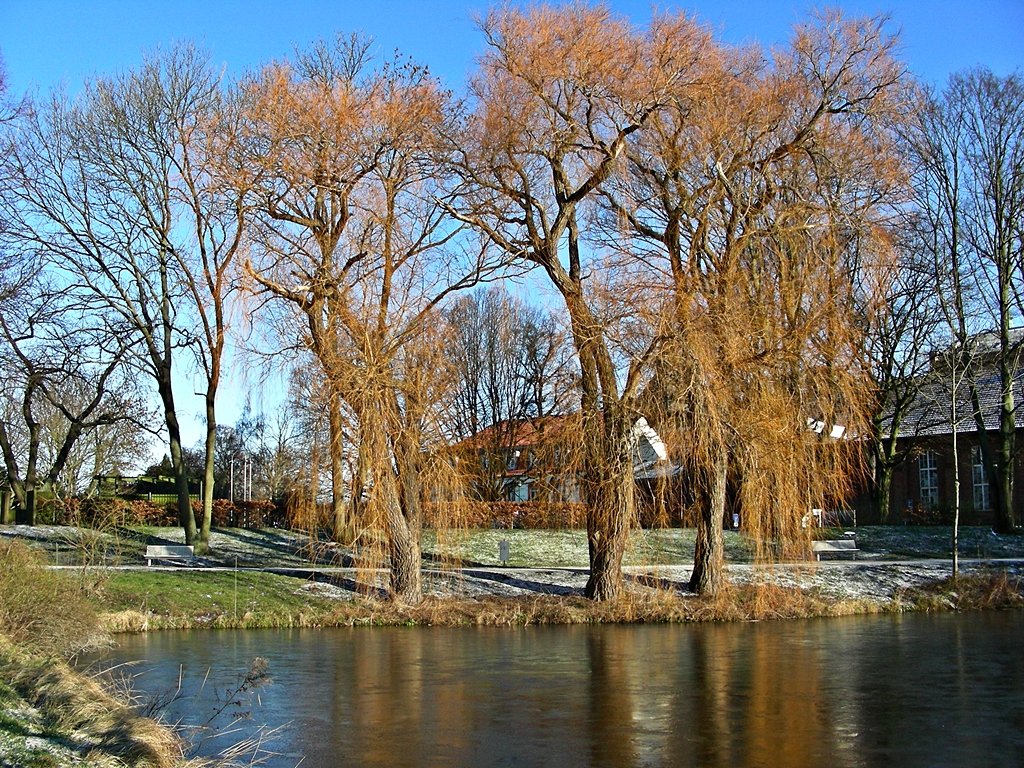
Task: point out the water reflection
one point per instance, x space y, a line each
849 692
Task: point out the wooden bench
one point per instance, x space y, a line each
169 552
835 547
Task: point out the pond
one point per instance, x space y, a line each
919 690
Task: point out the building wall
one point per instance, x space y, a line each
907 503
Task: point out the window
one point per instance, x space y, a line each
928 473
512 460
982 490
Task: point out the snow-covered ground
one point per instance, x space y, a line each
554 562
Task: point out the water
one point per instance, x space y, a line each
874 691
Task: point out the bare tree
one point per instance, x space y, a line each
14 271
560 92
509 364
968 143
301 149
59 390
901 331
280 450
118 192
112 448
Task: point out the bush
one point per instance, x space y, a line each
259 513
922 515
104 512
43 608
508 514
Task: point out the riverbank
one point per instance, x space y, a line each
276 578
52 715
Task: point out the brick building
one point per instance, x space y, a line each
923 485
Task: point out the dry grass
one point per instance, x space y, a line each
72 703
974 592
42 607
736 603
645 601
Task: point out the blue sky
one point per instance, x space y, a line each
46 43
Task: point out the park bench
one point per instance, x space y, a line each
169 552
835 547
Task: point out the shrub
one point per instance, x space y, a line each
258 513
922 515
509 514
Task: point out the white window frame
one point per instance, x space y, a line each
928 478
982 489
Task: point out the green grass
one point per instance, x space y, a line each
215 596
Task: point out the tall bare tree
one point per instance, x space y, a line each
748 197
559 94
968 143
116 190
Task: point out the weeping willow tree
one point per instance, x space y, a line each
349 179
559 95
752 207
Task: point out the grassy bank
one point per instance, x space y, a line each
51 715
136 598
135 601
177 600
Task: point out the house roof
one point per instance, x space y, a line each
930 414
517 433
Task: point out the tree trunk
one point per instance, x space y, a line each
997 455
1006 519
6 509
396 495
404 553
883 492
26 514
1002 471
203 539
611 506
343 532
708 576
406 560
956 491
185 516
18 490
